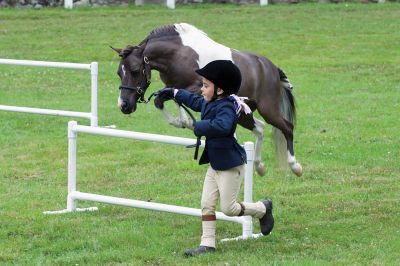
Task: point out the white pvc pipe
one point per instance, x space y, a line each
94 72
73 195
44 64
93 67
71 203
68 4
135 135
171 4
18 109
247 225
248 180
76 195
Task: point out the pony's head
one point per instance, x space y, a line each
135 74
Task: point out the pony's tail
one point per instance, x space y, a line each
288 110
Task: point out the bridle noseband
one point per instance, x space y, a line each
144 84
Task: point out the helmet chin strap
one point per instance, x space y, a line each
216 95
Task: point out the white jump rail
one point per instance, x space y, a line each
93 67
74 195
169 3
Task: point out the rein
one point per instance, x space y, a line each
141 90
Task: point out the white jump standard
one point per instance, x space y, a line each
93 67
74 195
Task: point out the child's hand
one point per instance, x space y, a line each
162 96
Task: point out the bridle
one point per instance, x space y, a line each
141 90
144 83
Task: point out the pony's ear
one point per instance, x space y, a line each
116 49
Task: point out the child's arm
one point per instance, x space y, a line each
221 126
191 100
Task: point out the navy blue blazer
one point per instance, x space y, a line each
218 124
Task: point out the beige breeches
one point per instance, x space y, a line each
225 186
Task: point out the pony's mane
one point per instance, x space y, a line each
168 30
162 31
172 30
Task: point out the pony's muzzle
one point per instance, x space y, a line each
125 107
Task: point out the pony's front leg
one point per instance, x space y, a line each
184 119
176 122
258 131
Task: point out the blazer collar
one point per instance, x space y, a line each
208 106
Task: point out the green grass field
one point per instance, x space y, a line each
344 61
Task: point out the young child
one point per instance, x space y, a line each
220 108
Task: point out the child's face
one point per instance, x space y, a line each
208 90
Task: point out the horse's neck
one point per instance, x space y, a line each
175 62
159 64
160 55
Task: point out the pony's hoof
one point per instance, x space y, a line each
297 169
260 169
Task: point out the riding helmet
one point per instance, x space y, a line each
224 74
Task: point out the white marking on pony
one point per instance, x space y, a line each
294 165
123 70
119 98
119 101
207 49
291 159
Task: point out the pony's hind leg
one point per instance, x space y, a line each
291 159
285 127
258 131
257 127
